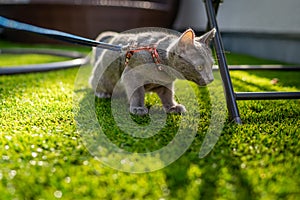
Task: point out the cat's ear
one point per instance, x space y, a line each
187 37
207 37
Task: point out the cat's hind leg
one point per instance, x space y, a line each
135 91
137 102
100 87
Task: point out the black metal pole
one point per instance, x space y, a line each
227 84
266 95
262 67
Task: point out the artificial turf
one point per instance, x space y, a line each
43 155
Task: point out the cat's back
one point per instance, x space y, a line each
145 36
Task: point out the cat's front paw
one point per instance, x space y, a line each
176 109
138 110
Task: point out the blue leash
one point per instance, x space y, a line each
67 37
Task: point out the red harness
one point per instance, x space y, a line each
151 50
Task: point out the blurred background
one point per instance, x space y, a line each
263 28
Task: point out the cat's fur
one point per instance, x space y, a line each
185 53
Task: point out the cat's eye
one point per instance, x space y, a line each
200 67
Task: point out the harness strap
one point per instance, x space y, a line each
151 50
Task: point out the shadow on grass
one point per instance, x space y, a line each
124 139
209 178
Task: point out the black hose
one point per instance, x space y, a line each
78 59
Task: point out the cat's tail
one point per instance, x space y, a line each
106 36
103 37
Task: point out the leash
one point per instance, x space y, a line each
59 35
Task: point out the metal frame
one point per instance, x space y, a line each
231 96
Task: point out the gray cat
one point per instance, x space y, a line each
184 53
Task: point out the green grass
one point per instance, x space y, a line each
14 60
43 156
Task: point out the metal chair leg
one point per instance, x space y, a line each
218 45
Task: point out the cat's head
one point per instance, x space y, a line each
192 56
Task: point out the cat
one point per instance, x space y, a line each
189 55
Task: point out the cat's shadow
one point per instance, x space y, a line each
144 120
135 133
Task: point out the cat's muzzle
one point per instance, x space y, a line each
204 82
